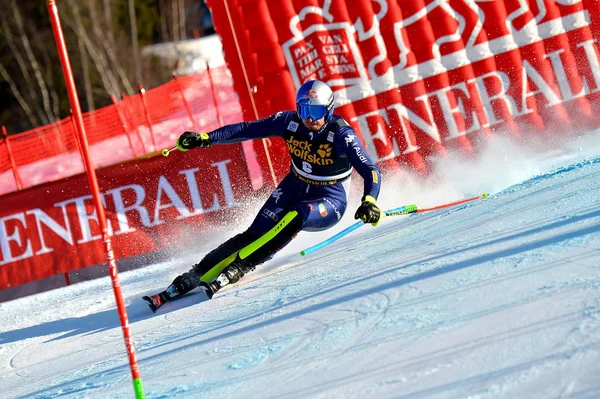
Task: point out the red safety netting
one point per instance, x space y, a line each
7 175
107 137
46 154
44 142
135 126
201 103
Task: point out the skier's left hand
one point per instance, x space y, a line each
368 211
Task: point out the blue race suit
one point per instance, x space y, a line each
316 187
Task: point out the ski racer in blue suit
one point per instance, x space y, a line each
312 197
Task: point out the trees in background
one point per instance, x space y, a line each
103 38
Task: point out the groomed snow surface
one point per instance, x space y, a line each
497 298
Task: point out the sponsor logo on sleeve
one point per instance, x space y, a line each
277 194
360 154
293 126
322 209
335 208
270 214
349 139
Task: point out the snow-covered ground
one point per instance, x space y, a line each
497 298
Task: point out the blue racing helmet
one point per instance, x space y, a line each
315 100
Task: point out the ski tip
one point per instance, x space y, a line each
485 195
150 303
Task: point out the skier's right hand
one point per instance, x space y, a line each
189 140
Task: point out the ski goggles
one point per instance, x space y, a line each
314 111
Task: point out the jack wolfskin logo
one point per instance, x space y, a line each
324 150
303 150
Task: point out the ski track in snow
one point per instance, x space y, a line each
497 298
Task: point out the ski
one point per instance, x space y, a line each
231 274
156 301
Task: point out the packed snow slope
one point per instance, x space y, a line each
497 298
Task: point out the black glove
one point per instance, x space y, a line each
368 211
189 140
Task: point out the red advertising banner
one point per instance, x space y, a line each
418 77
152 204
415 78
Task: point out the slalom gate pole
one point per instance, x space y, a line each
403 210
95 191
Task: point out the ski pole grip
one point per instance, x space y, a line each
167 151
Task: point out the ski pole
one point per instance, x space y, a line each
403 210
167 151
331 239
484 195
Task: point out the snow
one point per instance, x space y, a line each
496 298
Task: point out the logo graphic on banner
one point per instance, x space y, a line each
325 52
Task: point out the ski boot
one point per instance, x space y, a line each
180 286
230 275
183 284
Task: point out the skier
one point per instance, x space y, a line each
312 197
